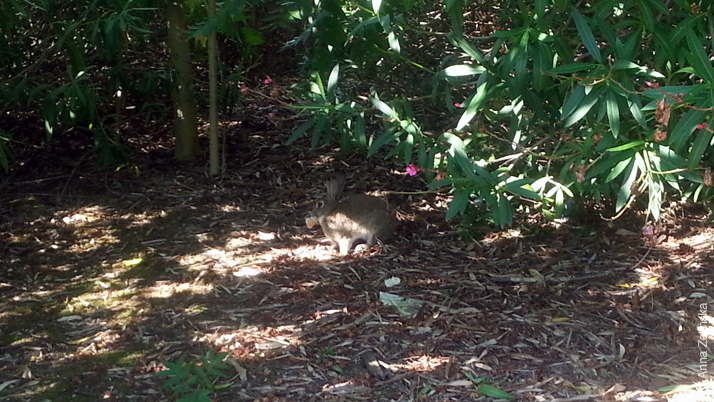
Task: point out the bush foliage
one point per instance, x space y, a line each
511 105
562 99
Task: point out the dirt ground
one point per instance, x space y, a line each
106 275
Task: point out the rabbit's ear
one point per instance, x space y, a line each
334 186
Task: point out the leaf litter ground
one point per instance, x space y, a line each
106 275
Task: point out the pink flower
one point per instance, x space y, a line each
702 125
267 80
243 89
412 170
457 104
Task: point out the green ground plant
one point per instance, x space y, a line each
194 382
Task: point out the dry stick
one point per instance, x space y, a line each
70 178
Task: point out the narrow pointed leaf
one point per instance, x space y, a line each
317 132
300 131
573 68
466 46
458 204
586 35
383 107
460 70
503 215
582 110
332 82
656 189
685 127
386 137
646 13
573 101
473 107
359 133
699 59
493 392
701 143
619 168
376 5
625 191
613 113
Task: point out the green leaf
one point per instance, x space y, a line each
472 171
522 58
624 193
701 143
582 110
408 148
633 102
572 68
332 81
620 64
252 36
662 44
619 168
659 5
613 113
474 105
376 5
607 32
628 145
686 126
301 130
493 392
388 136
460 70
573 101
655 190
319 128
359 133
586 35
466 46
317 86
608 164
394 44
646 13
699 59
458 204
542 62
383 107
522 187
509 33
629 49
559 202
503 214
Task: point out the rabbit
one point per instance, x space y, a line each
359 217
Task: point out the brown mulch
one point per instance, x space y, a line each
106 275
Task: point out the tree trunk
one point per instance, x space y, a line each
184 104
213 94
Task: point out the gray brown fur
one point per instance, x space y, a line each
359 217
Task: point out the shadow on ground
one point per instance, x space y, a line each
107 275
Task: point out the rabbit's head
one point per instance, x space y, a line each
334 187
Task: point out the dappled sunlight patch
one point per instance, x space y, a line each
423 363
320 252
83 216
699 392
256 342
167 289
230 208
